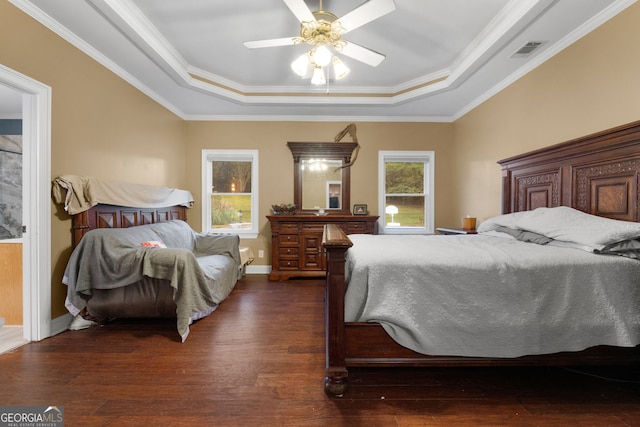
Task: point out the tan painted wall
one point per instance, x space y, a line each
276 162
590 86
101 126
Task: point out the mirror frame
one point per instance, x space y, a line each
331 151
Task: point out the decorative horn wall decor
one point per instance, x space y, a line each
351 130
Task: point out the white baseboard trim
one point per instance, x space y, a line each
258 269
60 324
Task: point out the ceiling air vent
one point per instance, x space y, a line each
527 49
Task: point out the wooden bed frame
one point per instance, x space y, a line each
110 216
598 174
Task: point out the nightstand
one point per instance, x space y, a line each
449 231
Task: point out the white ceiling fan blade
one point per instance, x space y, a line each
362 54
371 10
286 41
300 10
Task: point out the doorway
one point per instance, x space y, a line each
36 210
11 284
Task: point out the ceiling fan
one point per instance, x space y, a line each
323 30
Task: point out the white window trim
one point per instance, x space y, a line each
408 156
230 155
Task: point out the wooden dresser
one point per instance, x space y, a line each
296 242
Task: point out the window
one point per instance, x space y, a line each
405 191
230 192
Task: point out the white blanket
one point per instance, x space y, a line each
80 193
490 296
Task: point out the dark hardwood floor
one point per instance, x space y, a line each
259 360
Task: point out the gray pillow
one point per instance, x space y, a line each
626 248
525 236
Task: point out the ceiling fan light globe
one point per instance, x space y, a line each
321 55
301 65
318 76
340 70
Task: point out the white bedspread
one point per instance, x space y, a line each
491 295
80 193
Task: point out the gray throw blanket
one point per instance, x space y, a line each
201 268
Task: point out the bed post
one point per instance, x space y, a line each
336 243
506 191
79 227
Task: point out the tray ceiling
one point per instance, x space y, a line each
442 57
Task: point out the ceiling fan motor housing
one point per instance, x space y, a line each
324 30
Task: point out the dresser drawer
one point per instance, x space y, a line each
313 226
288 264
289 251
356 227
289 240
289 227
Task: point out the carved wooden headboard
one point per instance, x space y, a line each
110 216
597 174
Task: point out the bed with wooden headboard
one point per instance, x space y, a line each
597 174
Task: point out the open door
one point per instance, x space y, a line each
36 205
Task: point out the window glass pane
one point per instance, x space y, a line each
231 177
404 177
406 192
231 211
231 194
404 211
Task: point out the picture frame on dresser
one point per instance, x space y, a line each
360 209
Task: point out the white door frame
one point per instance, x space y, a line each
36 202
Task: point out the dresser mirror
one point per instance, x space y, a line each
320 182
